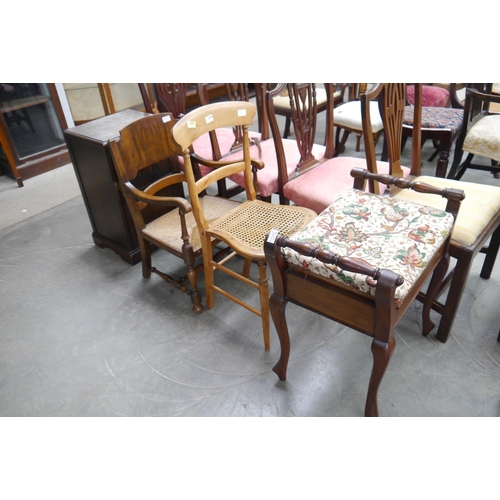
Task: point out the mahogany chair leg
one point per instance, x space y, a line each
437 278
340 143
277 306
442 164
382 352
455 292
491 254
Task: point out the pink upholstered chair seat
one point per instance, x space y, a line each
318 189
267 178
225 137
435 97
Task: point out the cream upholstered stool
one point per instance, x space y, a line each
478 221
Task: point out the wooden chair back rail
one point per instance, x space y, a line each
208 118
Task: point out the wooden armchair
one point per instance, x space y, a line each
141 148
480 135
314 178
243 228
361 263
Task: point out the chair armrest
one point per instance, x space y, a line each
173 201
256 163
454 196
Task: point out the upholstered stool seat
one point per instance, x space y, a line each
481 204
378 231
483 137
431 96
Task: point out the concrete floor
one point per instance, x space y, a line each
83 334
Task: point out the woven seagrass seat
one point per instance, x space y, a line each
243 228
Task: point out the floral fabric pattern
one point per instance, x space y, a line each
379 231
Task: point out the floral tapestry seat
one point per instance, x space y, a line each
378 231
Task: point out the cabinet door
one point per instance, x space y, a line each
32 123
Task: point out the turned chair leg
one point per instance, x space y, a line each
382 352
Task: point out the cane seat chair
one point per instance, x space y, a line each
316 177
477 230
480 136
243 228
142 146
361 263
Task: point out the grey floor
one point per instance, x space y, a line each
83 334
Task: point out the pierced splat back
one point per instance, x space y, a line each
172 98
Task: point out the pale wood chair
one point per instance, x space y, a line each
244 228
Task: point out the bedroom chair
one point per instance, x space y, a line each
317 177
361 263
480 136
142 146
244 228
